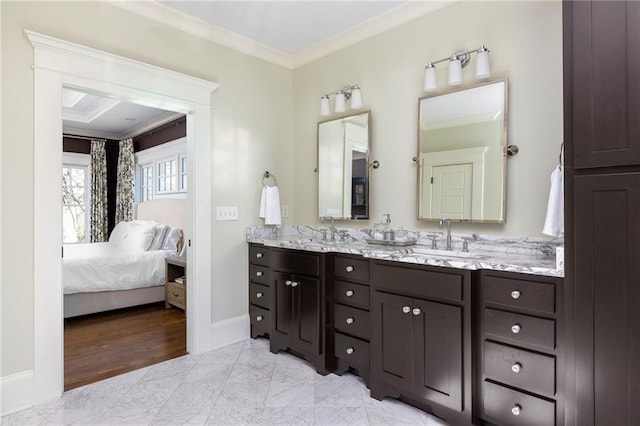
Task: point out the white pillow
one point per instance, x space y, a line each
172 239
158 237
139 236
119 233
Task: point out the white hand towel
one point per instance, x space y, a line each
270 205
263 203
554 222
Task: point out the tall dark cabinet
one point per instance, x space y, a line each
602 199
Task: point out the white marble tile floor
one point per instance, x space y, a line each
241 384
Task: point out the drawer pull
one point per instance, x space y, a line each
516 410
259 318
174 294
259 255
294 283
349 293
259 274
417 311
515 328
516 367
515 294
287 282
349 351
406 309
349 321
349 268
259 295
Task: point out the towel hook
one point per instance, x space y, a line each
267 176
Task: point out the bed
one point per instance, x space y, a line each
100 277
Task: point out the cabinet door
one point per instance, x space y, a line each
605 82
281 304
437 352
391 338
306 318
607 298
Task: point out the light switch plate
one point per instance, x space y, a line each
227 213
285 210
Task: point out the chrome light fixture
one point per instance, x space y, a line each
352 93
457 62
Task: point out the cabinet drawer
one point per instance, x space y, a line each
512 292
348 268
259 255
518 328
520 368
175 295
352 321
259 295
295 262
509 407
259 317
259 274
352 350
351 294
417 281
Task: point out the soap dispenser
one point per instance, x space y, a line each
387 232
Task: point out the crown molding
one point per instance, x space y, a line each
173 18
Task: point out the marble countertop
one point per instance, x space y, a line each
528 256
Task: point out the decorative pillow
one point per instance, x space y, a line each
172 239
158 237
140 235
119 233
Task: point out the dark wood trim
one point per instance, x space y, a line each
168 132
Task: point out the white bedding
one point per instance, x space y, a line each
107 267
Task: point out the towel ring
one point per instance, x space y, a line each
268 179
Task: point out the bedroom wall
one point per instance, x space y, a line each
251 133
525 39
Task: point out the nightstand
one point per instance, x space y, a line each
175 282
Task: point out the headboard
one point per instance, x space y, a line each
168 211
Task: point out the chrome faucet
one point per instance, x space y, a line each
445 221
332 228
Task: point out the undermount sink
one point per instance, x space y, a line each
440 252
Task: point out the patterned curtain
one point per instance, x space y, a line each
124 186
98 213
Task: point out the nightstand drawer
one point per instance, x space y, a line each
509 407
524 369
352 321
259 295
259 274
351 294
510 292
352 350
350 269
175 294
520 329
259 255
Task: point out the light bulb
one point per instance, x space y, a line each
455 71
430 83
340 102
483 67
356 98
324 105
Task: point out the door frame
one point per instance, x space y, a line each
59 63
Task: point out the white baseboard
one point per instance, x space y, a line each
230 331
16 392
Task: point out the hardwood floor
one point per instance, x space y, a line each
104 345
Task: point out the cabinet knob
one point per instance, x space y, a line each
294 283
417 311
516 367
259 255
349 268
349 321
406 309
515 294
287 282
349 351
259 318
259 274
259 295
175 294
515 328
516 410
349 293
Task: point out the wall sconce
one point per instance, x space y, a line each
457 62
342 95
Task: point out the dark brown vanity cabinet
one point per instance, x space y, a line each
297 304
520 351
421 337
259 290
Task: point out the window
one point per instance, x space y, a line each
75 203
167 176
183 172
161 171
146 182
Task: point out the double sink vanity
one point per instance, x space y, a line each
470 337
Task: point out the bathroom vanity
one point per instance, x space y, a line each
454 337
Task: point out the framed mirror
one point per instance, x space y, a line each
343 167
462 136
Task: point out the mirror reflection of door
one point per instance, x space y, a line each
452 191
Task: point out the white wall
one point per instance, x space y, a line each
525 39
251 133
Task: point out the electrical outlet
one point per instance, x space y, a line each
227 213
285 210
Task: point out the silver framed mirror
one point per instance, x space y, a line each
344 145
462 138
